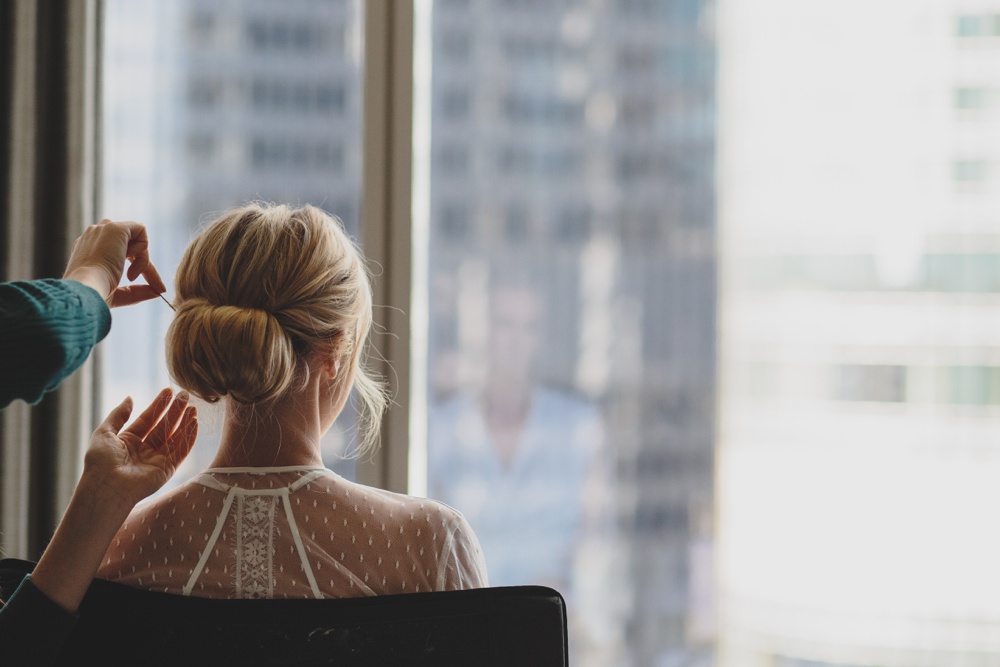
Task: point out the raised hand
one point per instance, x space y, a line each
137 461
121 468
98 260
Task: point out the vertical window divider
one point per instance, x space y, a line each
386 224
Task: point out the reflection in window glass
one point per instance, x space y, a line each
572 309
208 104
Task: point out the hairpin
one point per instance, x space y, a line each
167 302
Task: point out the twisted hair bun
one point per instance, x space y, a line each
258 290
230 350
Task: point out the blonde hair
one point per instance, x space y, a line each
259 289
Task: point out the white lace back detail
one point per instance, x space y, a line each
292 532
254 547
254 535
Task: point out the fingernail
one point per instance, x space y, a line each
183 395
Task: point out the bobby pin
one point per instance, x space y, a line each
167 302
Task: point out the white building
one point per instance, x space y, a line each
859 406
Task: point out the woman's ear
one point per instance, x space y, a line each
326 362
331 361
332 367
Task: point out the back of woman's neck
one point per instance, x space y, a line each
269 437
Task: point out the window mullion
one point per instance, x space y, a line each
385 222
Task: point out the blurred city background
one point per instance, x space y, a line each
713 286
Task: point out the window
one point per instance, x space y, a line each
711 357
304 97
973 385
570 353
203 93
974 97
978 25
273 34
971 171
524 108
274 116
872 383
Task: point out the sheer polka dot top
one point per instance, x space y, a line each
300 532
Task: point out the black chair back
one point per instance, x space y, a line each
507 626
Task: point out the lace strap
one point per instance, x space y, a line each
305 479
265 470
207 480
211 543
294 528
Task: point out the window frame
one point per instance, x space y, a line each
386 226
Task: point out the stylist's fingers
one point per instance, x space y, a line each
145 422
126 295
152 277
116 418
137 245
163 431
137 251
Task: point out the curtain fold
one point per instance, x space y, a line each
48 186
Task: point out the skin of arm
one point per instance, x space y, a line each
121 467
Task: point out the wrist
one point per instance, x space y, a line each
103 497
92 278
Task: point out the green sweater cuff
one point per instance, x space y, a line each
47 330
93 305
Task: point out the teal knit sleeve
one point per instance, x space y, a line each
47 329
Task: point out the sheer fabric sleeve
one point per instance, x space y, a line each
462 562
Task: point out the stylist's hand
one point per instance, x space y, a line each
135 462
98 261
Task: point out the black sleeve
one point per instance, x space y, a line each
32 627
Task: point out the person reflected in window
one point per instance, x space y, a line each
273 309
515 456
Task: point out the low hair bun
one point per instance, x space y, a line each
263 292
218 350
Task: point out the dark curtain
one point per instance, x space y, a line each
48 111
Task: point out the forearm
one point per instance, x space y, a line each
69 564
